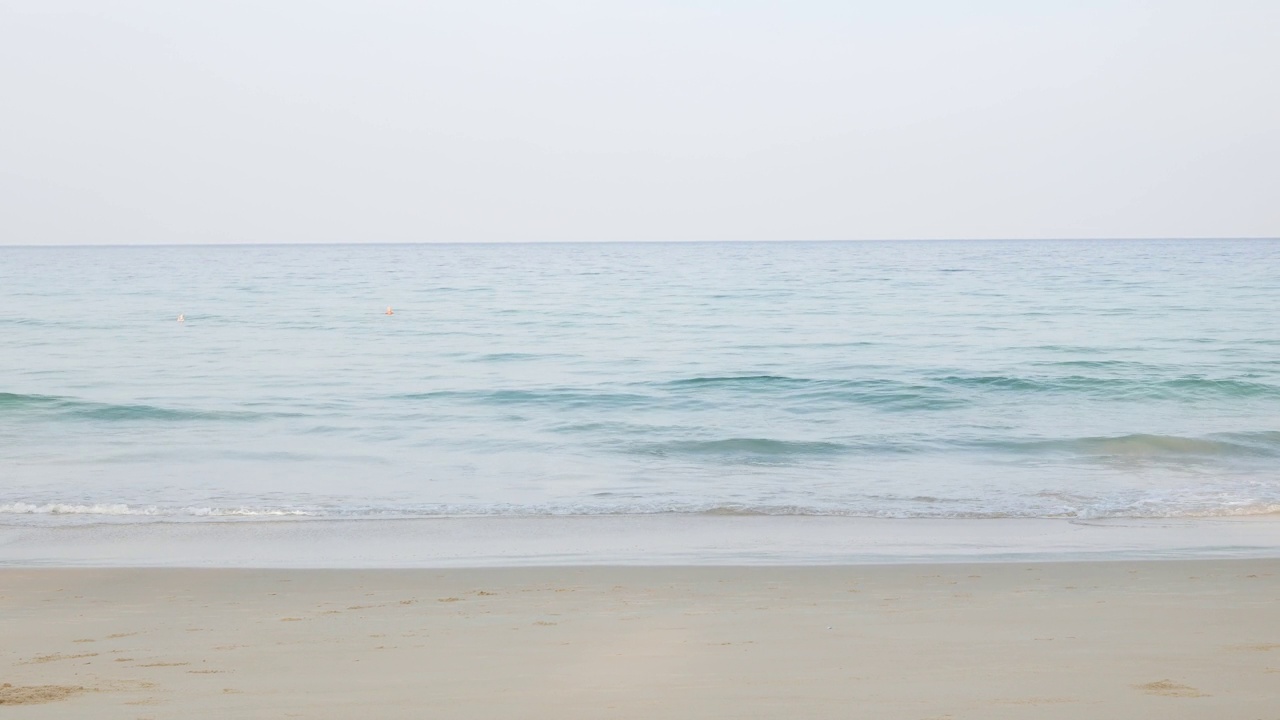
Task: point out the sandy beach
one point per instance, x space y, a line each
1168 639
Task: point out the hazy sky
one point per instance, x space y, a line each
468 120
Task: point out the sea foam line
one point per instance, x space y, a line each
1146 509
122 509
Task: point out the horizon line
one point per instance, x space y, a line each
638 242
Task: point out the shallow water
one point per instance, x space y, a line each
948 379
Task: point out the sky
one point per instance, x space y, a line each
132 121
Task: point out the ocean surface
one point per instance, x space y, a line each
1066 379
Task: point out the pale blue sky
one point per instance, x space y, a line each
175 122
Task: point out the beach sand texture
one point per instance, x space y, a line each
1159 639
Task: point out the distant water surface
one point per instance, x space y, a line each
925 379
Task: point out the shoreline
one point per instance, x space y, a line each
1173 639
630 540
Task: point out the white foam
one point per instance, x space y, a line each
1146 508
247 512
122 509
21 508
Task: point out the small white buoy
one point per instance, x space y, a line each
389 311
182 318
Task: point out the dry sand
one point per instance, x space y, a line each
1194 639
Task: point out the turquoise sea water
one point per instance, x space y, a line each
930 379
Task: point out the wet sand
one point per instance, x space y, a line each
1168 639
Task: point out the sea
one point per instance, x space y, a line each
660 385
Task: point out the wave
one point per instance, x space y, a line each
123 509
1191 387
1139 445
913 508
806 394
743 448
1100 365
517 357
740 380
872 392
565 397
947 390
76 409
